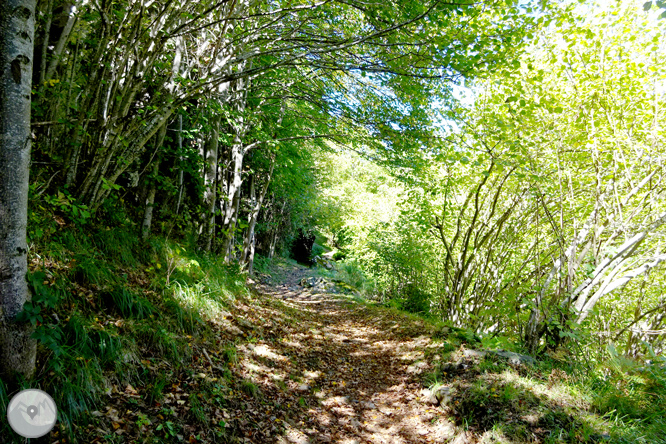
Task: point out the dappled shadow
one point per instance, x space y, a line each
288 365
344 373
497 402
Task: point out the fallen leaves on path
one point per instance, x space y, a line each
347 372
287 365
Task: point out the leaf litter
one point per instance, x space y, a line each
306 367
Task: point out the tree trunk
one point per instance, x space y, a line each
534 330
180 161
232 225
45 42
248 244
271 248
233 196
112 158
247 237
152 190
62 41
210 186
276 231
17 26
150 203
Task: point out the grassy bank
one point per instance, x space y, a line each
124 330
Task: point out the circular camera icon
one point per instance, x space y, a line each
32 413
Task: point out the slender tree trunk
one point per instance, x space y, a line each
210 186
228 245
45 43
150 203
249 241
271 248
276 231
150 198
247 238
534 330
62 41
17 27
180 160
233 197
107 165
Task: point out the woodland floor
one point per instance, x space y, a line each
292 365
350 371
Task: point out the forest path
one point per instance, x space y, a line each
348 372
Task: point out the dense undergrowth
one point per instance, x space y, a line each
112 313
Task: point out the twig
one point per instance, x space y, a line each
210 361
45 187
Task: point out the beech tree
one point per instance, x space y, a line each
17 24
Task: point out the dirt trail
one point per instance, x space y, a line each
343 372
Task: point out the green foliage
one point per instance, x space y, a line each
414 300
229 354
119 244
317 250
103 316
339 255
250 388
159 341
467 211
128 303
196 409
44 298
472 225
90 268
156 388
169 428
627 391
492 364
186 319
64 203
351 274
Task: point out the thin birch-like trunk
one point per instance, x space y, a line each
45 44
62 41
249 241
150 205
150 198
179 140
210 186
233 195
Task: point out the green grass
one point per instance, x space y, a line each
92 269
565 398
129 304
249 388
108 320
619 401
